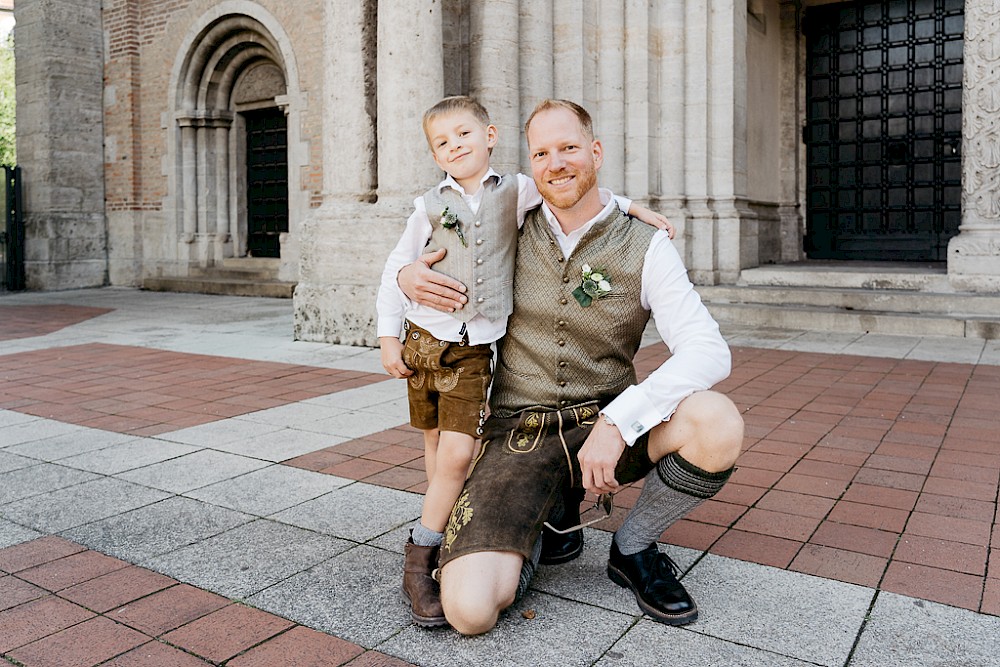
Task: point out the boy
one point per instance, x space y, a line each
475 214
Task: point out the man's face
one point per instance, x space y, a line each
564 161
461 144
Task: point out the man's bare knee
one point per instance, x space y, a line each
706 430
476 587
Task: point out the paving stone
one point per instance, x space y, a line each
293 415
300 647
14 591
356 512
796 615
357 424
36 619
155 653
192 471
690 648
280 445
546 639
116 588
12 533
268 490
88 643
220 432
907 632
227 632
168 609
35 552
248 558
13 418
33 430
141 534
354 596
70 444
10 462
361 397
136 453
71 570
37 480
80 504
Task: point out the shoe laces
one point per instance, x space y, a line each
664 571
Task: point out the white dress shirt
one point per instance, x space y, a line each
392 306
700 357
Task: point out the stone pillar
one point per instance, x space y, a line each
700 234
636 94
609 116
669 44
189 187
974 255
568 50
60 113
410 80
494 70
536 70
791 161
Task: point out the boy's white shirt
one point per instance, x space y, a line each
392 306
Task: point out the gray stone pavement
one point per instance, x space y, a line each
208 505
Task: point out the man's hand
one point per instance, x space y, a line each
424 285
392 357
599 456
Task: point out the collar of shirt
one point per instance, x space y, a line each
474 200
567 242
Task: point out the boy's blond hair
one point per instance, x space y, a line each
586 122
453 104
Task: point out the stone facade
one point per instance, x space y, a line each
132 129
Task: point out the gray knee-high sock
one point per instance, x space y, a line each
528 570
671 490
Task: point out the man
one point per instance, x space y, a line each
566 411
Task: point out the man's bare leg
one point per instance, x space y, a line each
706 430
476 587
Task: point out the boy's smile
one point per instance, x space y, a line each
460 145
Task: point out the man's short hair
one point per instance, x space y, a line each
457 103
586 122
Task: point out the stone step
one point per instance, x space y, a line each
905 276
221 285
832 319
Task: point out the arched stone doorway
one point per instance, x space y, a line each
235 131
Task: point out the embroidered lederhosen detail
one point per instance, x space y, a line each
423 355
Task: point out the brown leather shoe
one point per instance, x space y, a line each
419 589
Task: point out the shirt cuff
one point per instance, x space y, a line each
388 327
633 413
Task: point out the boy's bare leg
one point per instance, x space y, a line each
450 467
431 437
476 587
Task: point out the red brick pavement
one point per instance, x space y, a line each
142 391
27 321
64 605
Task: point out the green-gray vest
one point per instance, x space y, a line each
486 265
557 353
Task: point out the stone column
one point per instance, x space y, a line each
609 116
494 70
636 94
974 255
792 157
568 50
698 81
60 137
410 80
669 44
536 64
189 186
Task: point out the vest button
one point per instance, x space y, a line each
565 279
562 383
561 343
562 323
479 261
564 403
480 300
563 301
563 364
562 259
479 242
479 223
479 281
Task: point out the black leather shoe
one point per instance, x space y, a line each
652 576
558 548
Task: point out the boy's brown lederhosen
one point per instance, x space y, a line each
448 387
523 464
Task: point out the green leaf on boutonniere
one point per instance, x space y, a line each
582 297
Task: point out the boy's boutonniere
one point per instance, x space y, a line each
596 284
450 220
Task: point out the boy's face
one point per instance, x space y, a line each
461 144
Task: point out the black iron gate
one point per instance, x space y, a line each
12 232
267 181
883 129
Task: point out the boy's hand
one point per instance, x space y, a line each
424 285
651 218
392 357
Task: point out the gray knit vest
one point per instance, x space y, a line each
557 353
486 266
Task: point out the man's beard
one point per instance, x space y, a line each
584 181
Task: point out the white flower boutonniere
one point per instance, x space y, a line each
596 284
450 221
